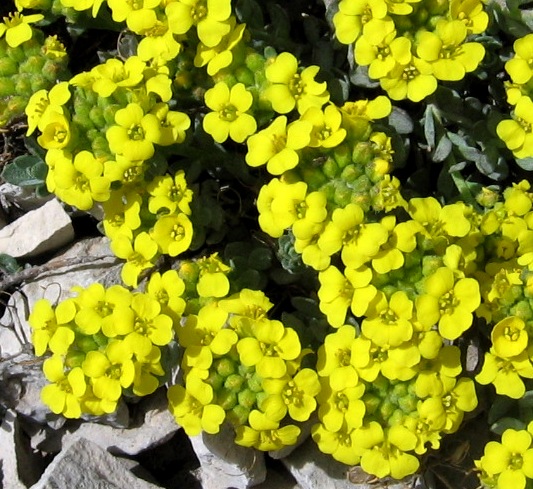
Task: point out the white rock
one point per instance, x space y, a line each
85 465
153 425
19 468
313 469
22 197
225 464
42 230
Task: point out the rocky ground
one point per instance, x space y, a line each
140 446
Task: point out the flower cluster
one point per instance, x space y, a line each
516 132
238 365
29 63
105 343
411 45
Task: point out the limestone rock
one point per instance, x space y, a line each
19 465
42 230
225 464
85 465
152 425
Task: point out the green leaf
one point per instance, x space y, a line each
525 163
401 121
279 20
443 150
249 12
8 264
429 126
506 423
25 171
260 259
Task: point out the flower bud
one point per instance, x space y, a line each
74 359
247 398
8 67
225 367
7 87
215 380
234 382
342 155
255 383
255 62
226 399
238 415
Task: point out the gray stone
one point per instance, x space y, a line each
313 469
85 465
225 464
42 230
153 425
22 197
19 465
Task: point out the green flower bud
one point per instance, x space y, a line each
351 173
245 76
313 177
342 155
247 398
74 359
408 403
396 418
225 367
343 194
363 153
386 409
86 343
8 67
522 310
16 54
100 147
38 82
226 399
33 64
430 264
255 383
109 113
215 380
372 402
7 87
255 62
234 382
330 168
17 104
487 197
238 415
97 117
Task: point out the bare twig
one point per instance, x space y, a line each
30 273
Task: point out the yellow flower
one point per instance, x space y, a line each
389 322
448 303
65 394
517 132
385 452
209 17
326 126
42 102
289 89
265 434
172 124
353 15
139 255
342 444
122 214
192 408
136 14
509 337
55 130
269 349
277 145
506 373
173 233
414 80
519 66
220 55
450 57
509 462
471 13
17 28
114 74
80 182
134 134
229 116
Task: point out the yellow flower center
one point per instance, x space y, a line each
516 461
136 132
343 357
13 20
199 11
296 86
141 326
366 16
177 232
228 113
447 303
388 316
136 4
525 124
103 308
269 350
301 210
131 174
292 395
82 184
382 52
511 334
410 73
342 402
114 372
